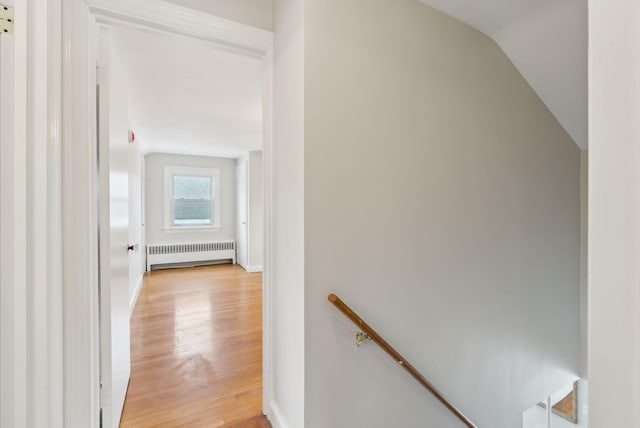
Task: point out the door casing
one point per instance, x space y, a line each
80 25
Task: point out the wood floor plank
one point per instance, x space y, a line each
196 350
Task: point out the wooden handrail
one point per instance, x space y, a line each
374 336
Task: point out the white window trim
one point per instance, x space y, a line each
214 173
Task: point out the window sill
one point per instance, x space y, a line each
178 229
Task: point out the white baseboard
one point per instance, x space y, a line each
275 416
252 269
136 293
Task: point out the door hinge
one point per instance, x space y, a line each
6 19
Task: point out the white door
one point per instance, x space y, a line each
114 234
241 194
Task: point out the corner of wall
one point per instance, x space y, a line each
584 262
275 416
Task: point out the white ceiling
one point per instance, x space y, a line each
546 40
186 96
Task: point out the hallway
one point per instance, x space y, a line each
196 350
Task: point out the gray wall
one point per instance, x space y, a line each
155 194
442 201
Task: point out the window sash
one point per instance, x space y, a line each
211 184
176 178
203 221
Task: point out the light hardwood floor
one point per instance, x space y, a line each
196 350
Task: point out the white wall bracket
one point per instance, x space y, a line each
6 19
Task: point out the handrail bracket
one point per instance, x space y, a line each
362 337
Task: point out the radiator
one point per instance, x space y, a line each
195 252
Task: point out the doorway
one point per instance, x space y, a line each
119 288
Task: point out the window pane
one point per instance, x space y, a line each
189 211
191 200
191 187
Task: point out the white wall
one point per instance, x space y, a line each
155 194
614 214
442 201
256 210
242 213
287 276
257 13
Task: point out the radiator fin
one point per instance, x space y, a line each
191 248
158 255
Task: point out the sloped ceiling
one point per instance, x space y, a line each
546 40
257 13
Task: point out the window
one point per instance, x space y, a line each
192 200
192 197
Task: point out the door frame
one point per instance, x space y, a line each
69 379
13 236
31 333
